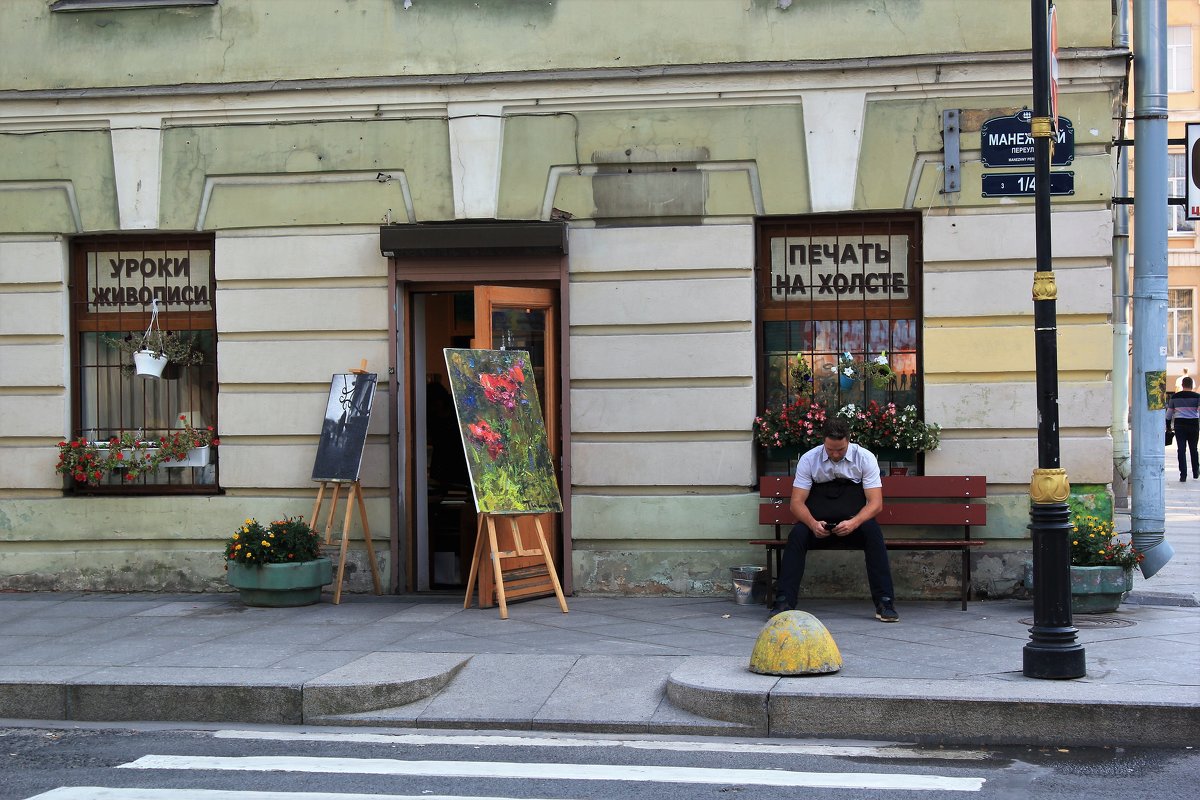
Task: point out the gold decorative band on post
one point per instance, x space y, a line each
1039 127
1049 486
1044 287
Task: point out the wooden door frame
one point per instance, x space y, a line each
424 273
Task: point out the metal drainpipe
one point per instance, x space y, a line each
1148 523
1120 288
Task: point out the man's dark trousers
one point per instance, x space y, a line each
868 537
1187 431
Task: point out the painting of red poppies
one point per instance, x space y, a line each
503 433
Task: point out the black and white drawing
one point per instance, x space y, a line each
344 430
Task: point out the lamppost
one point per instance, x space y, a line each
1052 651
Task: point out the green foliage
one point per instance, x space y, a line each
284 541
875 427
1094 544
88 462
179 348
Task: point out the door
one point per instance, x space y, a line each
520 318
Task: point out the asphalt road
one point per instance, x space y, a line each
294 763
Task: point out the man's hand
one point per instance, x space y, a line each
844 528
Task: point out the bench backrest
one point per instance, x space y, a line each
921 500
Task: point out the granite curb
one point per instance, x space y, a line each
987 712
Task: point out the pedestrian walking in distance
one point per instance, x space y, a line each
1183 411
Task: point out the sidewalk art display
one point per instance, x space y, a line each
500 419
511 470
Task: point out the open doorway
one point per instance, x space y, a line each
443 512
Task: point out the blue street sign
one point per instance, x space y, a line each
1019 184
1008 141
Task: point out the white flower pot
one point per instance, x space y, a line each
196 457
149 365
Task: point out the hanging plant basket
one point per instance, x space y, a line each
157 353
149 365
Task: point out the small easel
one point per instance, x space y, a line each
525 585
353 497
355 494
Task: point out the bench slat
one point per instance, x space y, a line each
898 544
894 514
914 486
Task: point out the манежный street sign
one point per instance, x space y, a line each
1007 142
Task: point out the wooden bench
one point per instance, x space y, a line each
944 501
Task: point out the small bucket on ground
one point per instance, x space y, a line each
749 584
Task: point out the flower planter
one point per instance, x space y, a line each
1094 590
1099 590
196 457
280 585
149 365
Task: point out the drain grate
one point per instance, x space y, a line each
1091 621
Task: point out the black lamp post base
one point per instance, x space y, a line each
1054 663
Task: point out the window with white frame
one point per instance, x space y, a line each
120 286
833 289
1181 313
1180 66
1177 222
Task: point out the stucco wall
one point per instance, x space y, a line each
662 172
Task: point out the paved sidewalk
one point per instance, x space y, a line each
613 664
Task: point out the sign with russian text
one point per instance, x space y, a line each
1008 141
131 281
819 268
1020 184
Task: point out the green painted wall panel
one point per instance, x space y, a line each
897 132
771 136
360 202
39 210
418 147
253 40
82 157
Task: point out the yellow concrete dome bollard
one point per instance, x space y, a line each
795 643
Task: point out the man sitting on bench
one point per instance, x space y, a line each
836 496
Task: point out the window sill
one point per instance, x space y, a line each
118 5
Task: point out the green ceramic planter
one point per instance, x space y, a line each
280 585
1094 590
1099 590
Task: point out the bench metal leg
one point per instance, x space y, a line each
965 574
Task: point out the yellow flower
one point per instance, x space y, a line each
235 536
265 543
249 521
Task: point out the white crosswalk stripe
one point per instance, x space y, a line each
688 746
108 793
536 771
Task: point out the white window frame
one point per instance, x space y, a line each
1175 312
1177 222
1180 67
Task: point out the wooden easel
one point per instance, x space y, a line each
523 586
353 497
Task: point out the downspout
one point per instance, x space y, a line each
1122 464
1148 523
